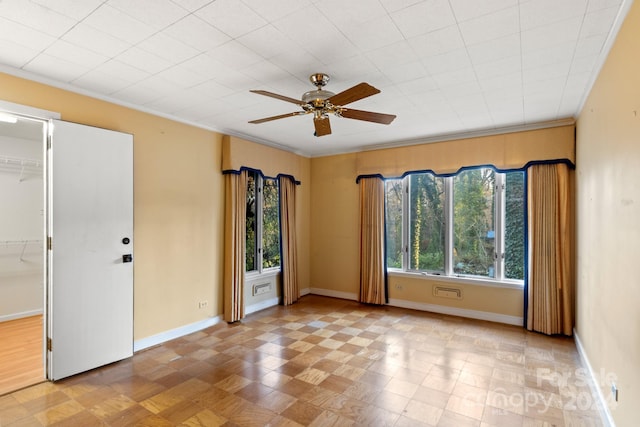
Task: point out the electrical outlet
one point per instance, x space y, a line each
203 304
399 286
614 392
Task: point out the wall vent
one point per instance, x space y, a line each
442 292
262 288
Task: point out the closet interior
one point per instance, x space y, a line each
22 231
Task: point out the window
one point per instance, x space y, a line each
426 222
262 223
474 223
393 225
467 225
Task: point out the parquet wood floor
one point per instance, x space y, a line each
326 362
21 362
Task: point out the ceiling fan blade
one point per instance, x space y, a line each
322 125
367 116
281 116
276 96
353 94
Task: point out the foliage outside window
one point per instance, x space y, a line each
426 220
474 223
262 223
470 224
270 224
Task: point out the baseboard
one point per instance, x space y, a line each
333 294
22 314
453 311
605 414
305 291
261 305
174 333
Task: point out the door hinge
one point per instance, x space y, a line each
49 344
49 243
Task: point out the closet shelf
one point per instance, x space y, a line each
22 165
18 242
23 243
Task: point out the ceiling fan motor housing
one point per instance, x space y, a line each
317 97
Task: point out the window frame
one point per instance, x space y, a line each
259 239
448 274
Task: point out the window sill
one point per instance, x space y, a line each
456 279
251 275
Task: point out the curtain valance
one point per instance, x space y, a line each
509 151
239 155
259 172
566 162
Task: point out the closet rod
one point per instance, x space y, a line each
22 243
15 163
20 162
17 242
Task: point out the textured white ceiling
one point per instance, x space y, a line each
444 66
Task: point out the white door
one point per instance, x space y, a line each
90 276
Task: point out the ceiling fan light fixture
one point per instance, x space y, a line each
316 96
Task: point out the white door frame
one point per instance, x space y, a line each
43 116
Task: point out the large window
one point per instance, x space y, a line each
469 225
262 223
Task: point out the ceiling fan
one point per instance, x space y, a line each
321 103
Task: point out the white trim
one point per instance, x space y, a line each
102 97
457 279
26 110
305 291
252 276
271 302
392 144
453 311
333 294
22 314
605 414
174 333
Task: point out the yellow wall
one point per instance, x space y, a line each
608 218
178 205
334 209
334 224
485 299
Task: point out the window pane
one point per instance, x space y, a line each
270 224
514 226
251 223
426 222
393 214
473 222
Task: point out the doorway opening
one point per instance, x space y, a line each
22 251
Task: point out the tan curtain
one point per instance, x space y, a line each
550 218
372 255
234 245
289 261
